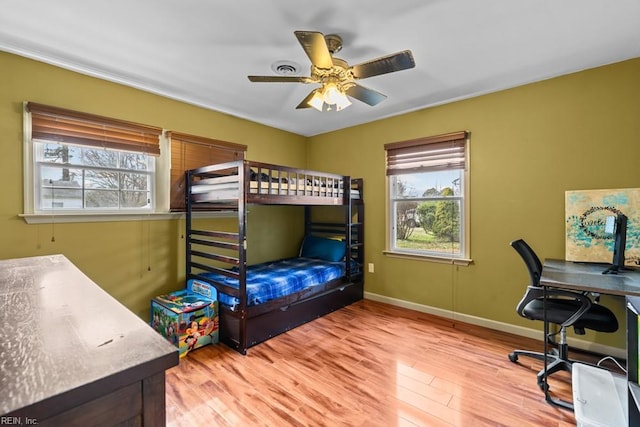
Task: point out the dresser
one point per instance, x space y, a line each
70 354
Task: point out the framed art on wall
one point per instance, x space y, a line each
586 213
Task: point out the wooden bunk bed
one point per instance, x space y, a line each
220 257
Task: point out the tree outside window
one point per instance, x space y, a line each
427 220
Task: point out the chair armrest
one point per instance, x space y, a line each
538 292
584 301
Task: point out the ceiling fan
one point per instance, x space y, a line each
336 78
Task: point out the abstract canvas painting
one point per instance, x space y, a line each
586 212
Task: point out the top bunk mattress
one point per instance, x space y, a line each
223 183
271 280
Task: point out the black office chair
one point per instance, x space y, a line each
564 308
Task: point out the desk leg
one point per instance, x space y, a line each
545 348
545 383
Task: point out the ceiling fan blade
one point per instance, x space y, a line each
383 65
279 79
305 102
315 47
368 96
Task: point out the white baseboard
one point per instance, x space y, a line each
620 353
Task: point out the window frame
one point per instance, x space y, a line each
117 135
39 164
160 182
395 165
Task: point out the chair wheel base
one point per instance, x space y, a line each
543 386
513 357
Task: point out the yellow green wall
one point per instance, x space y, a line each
135 260
528 146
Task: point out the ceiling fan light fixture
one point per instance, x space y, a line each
329 94
342 102
316 100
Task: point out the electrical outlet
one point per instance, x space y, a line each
370 267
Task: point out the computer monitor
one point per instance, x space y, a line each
617 225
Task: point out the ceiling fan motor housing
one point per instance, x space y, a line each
334 43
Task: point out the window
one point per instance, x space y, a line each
75 177
191 152
427 194
83 163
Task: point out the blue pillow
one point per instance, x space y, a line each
323 248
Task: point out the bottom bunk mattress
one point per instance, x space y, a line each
272 280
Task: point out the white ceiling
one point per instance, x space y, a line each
201 51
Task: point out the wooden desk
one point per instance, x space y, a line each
71 355
584 277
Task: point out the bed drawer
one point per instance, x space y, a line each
266 325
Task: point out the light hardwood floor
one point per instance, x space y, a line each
369 364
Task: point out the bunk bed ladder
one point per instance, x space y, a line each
188 224
235 242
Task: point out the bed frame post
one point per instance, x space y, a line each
244 174
307 220
346 191
359 225
188 208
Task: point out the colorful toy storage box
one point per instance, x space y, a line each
187 318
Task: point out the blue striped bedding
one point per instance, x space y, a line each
271 280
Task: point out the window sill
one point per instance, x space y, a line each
61 218
430 258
